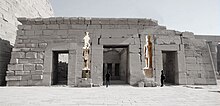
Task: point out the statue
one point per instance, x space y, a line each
86 41
86 59
86 56
148 52
148 57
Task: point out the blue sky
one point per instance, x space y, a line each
198 16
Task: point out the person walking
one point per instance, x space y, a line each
162 78
107 78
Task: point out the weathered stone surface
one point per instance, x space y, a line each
40 55
10 73
18 55
26 77
10 78
42 45
31 45
29 67
141 84
29 33
189 57
39 67
15 67
53 26
31 55
27 61
35 82
19 73
37 72
38 27
13 83
37 77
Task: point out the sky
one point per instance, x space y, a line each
202 17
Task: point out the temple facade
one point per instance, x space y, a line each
132 50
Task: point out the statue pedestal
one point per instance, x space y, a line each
148 72
84 82
86 73
148 81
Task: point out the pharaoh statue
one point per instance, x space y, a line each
86 55
148 56
86 41
148 52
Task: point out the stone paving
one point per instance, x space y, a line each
122 95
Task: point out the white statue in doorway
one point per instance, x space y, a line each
86 41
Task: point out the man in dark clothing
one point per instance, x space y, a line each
162 78
107 78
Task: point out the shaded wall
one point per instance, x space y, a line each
5 56
124 65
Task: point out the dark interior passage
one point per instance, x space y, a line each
60 68
170 66
115 61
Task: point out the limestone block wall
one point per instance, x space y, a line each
193 57
10 10
213 44
198 60
38 37
168 41
5 55
124 72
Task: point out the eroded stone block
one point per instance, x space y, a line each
29 67
31 55
15 67
10 78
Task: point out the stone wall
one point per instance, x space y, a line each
194 65
10 10
200 69
123 66
5 55
213 42
37 38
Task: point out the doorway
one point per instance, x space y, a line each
170 66
60 67
115 61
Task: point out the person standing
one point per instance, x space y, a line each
107 78
162 78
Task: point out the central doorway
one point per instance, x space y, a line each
60 68
115 61
170 66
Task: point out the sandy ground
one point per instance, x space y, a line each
112 96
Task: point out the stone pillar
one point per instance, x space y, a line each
97 64
182 73
72 66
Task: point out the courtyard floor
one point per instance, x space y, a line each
122 95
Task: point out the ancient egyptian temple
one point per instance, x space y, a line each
77 51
